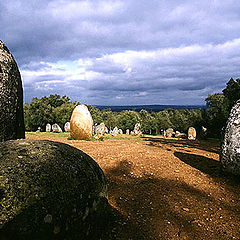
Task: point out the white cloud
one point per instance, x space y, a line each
144 52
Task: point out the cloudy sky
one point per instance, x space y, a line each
107 52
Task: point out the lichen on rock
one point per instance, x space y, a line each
11 97
230 148
49 190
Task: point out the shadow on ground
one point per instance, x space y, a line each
160 208
208 145
204 164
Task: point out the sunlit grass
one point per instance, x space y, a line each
49 134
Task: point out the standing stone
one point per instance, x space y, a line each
115 131
137 129
120 131
81 123
230 147
56 128
192 134
169 133
127 131
106 130
180 135
11 97
203 132
48 127
39 129
100 129
67 127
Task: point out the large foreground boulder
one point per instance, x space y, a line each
49 190
81 123
230 148
11 97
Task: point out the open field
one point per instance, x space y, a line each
164 188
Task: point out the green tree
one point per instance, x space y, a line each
232 92
52 109
127 120
148 123
109 118
96 114
217 113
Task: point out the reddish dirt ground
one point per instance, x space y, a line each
165 188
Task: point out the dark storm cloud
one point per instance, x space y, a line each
116 52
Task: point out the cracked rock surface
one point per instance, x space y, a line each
49 190
230 149
11 97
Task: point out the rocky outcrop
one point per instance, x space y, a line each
67 127
49 190
81 123
230 147
11 97
56 128
192 134
48 127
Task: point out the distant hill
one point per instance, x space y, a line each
150 108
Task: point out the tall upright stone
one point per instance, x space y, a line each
115 131
81 123
67 127
48 127
230 148
192 134
11 97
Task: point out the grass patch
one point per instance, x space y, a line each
121 137
49 134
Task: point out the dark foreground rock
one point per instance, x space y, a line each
230 148
11 97
50 190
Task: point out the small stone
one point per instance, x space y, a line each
56 230
186 209
48 218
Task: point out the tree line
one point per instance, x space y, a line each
58 109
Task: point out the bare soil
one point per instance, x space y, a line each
165 188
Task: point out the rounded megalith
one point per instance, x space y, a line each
100 129
192 134
169 133
11 97
230 147
56 128
67 127
81 123
49 190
